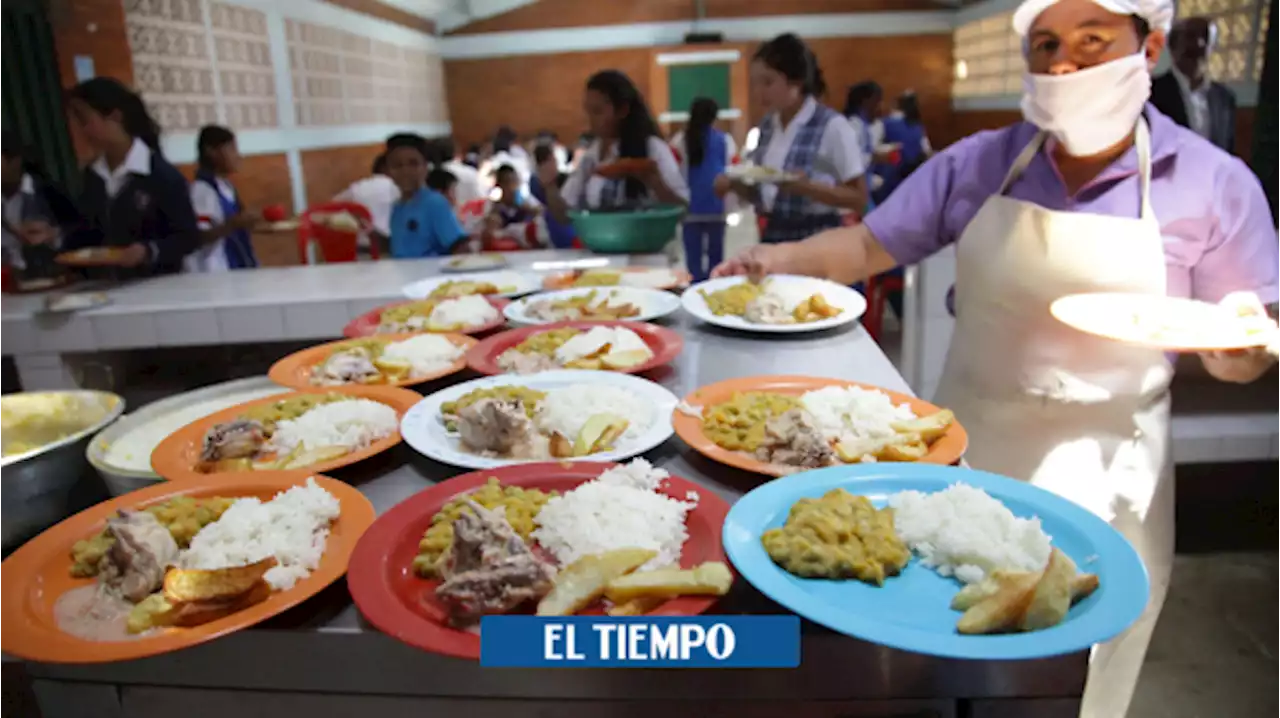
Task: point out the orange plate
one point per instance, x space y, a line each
565 280
38 573
946 450
626 167
294 371
175 458
91 257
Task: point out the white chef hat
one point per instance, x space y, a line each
1157 13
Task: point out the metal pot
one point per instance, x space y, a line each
40 485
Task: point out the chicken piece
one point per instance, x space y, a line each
238 439
354 366
495 425
768 309
792 439
133 568
489 569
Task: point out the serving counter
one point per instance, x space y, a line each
320 659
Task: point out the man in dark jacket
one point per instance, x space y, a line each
1187 95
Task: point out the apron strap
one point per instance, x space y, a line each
1142 141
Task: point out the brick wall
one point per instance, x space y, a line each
329 171
581 13
94 28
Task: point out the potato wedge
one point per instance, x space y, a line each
1003 610
189 585
317 455
593 364
583 581
198 613
851 452
636 606
598 433
975 592
710 579
624 359
1052 596
393 369
560 447
906 450
1083 585
930 428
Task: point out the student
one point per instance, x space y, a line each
224 225
801 135
511 206
507 151
132 197
905 129
704 152
623 129
445 183
560 234
863 106
423 223
36 213
377 193
466 176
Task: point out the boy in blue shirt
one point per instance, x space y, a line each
422 220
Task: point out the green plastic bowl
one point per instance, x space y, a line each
637 232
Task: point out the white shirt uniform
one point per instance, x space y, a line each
377 193
839 158
137 161
469 187
211 257
584 188
1197 103
13 220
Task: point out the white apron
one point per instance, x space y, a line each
1084 417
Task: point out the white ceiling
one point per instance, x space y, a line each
450 14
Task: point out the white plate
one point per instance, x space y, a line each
1161 322
426 433
473 263
653 303
756 174
523 283
853 304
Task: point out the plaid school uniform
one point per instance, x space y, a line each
793 217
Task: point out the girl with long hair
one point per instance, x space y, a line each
704 152
223 221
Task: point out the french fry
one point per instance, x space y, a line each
1051 598
710 579
584 580
930 428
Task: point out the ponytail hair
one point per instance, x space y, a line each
106 95
788 55
211 138
702 115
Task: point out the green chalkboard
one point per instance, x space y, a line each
688 82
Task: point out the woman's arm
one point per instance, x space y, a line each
850 195
666 181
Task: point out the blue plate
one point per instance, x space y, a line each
912 611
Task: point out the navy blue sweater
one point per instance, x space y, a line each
153 209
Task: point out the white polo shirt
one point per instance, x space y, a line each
838 160
584 187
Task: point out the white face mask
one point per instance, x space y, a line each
1089 110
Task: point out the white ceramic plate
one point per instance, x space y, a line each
516 283
473 263
652 303
1161 322
423 429
853 303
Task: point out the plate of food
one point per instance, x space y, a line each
592 304
1161 322
782 303
91 257
627 347
501 284
471 314
501 420
62 302
314 431
938 560
414 572
174 565
474 262
626 167
639 277
778 425
389 359
752 174
32 285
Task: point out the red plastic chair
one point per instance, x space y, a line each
332 245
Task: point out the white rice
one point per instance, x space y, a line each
853 413
427 353
350 423
963 531
469 311
292 528
619 509
564 410
589 343
132 450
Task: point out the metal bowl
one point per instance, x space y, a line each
122 480
39 485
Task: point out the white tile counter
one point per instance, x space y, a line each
243 307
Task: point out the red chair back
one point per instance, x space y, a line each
333 245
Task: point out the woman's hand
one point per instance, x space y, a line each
758 262
37 232
1245 365
133 255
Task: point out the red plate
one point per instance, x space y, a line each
366 325
403 606
664 343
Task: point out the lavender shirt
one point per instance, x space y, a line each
1219 236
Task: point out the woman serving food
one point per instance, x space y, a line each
1096 192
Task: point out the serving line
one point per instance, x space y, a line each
231 308
324 659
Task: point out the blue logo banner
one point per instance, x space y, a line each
640 641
